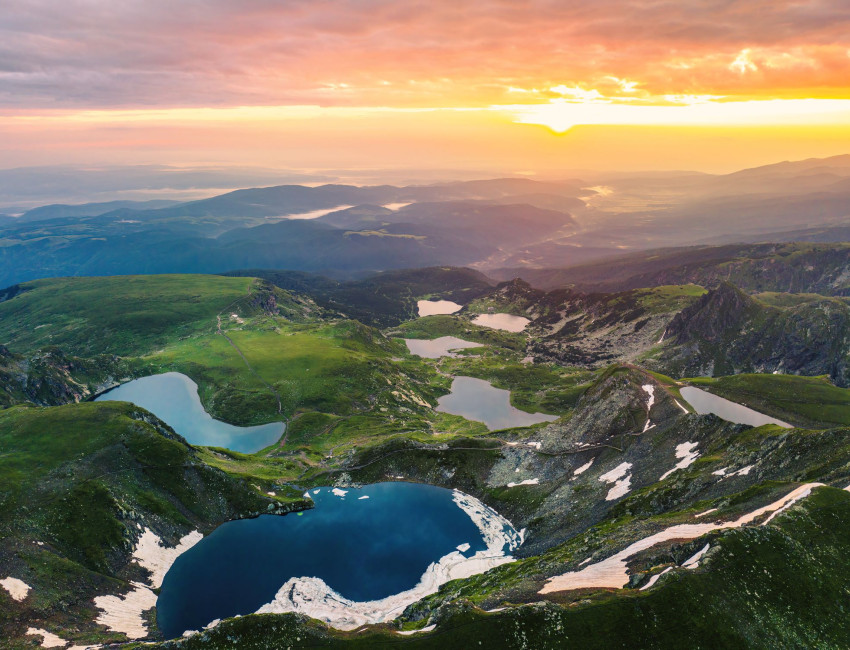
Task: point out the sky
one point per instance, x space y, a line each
524 86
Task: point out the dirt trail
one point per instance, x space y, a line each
250 367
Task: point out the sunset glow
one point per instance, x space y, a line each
152 74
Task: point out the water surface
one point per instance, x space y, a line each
173 398
705 402
315 214
436 348
507 322
363 548
435 307
476 399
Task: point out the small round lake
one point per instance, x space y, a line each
360 556
436 307
476 399
705 402
506 322
440 347
173 398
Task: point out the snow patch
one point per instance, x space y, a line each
528 481
157 558
612 571
654 579
312 596
18 589
707 512
622 480
684 410
124 613
584 468
693 561
48 639
687 454
427 628
621 488
615 474
650 390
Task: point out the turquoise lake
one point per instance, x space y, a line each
173 398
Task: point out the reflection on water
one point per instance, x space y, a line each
476 399
436 348
435 307
363 549
704 402
173 398
507 322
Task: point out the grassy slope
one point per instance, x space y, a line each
740 599
77 479
804 401
119 315
335 378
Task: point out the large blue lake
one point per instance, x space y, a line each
363 544
173 398
359 545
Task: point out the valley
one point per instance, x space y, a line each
601 449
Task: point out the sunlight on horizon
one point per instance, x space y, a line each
560 115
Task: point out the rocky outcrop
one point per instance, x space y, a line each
50 377
727 332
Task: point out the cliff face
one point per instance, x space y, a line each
715 315
596 329
51 378
727 332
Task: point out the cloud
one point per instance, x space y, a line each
742 63
153 53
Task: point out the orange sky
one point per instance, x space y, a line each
620 84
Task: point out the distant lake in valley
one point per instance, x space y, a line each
173 398
435 307
705 402
315 214
507 322
361 555
476 399
436 348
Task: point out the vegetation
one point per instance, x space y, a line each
117 315
804 401
84 479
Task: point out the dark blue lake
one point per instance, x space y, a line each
364 549
173 398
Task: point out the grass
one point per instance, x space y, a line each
668 298
432 327
803 401
743 599
123 315
74 482
339 368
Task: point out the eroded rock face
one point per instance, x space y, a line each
50 377
727 332
621 403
